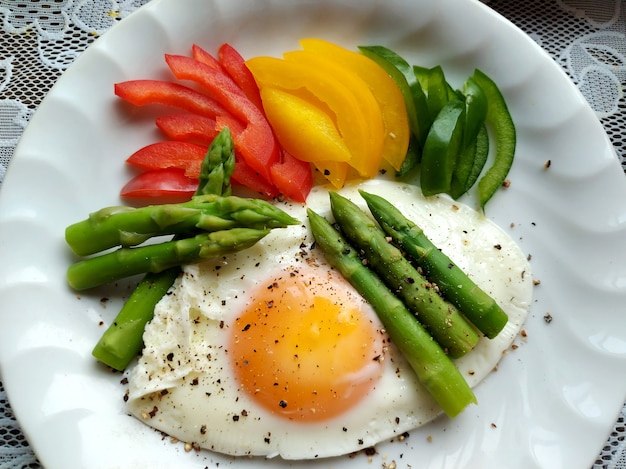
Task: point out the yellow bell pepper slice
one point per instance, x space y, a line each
384 89
335 172
369 109
304 130
293 76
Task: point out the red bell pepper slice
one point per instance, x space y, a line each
203 56
248 177
196 128
236 128
163 184
219 86
236 67
170 154
142 92
257 143
188 128
293 177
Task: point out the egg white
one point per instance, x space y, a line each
183 384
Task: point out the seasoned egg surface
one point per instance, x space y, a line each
271 352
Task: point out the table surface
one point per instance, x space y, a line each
587 38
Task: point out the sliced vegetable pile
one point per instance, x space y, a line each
229 98
343 114
449 127
334 108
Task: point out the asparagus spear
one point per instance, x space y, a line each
442 319
434 369
127 226
156 258
123 339
456 286
218 166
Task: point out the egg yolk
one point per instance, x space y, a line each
304 349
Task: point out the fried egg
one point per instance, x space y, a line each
270 352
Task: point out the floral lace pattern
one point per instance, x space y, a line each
588 39
596 61
39 39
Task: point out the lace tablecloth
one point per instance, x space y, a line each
41 38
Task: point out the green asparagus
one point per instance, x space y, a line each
126 262
442 319
123 339
456 286
434 369
218 166
126 226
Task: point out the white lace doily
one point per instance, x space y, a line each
39 39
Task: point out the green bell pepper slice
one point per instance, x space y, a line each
475 148
437 96
500 121
470 163
441 148
475 109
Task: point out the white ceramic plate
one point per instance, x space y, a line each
552 401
